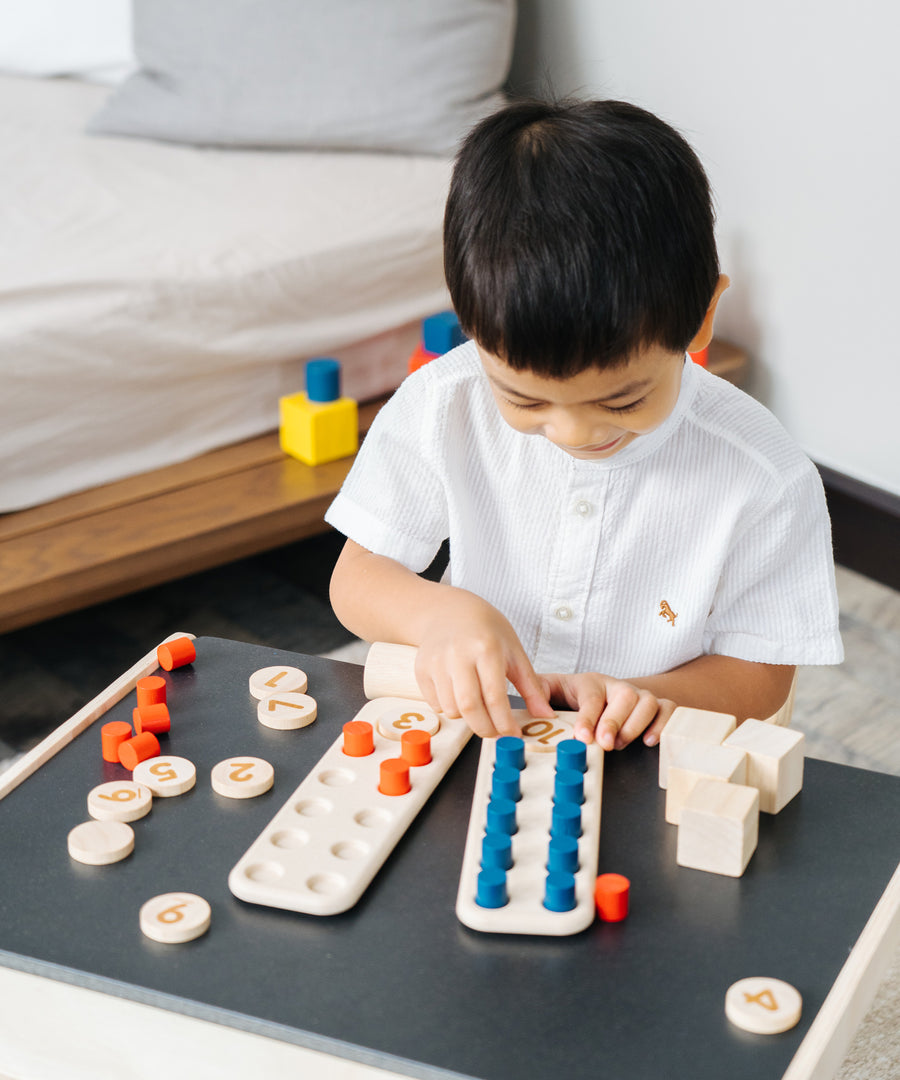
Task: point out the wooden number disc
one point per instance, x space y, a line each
119 800
175 917
395 721
242 777
286 712
166 776
764 1006
99 843
277 680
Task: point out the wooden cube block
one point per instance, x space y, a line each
775 764
719 828
691 725
693 761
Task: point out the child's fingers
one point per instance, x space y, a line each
496 700
643 715
441 703
621 700
534 691
652 734
477 704
591 704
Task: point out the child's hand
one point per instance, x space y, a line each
466 655
609 710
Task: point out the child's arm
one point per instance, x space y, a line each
616 712
467 649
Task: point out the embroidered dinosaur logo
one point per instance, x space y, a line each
666 612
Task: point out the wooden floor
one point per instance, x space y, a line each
163 525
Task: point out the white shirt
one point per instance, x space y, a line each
708 535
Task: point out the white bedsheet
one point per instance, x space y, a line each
156 300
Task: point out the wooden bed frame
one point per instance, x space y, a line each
225 505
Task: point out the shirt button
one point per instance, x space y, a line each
583 507
563 612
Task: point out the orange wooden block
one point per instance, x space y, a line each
611 897
419 358
394 777
415 747
151 691
359 739
153 718
112 735
134 751
177 653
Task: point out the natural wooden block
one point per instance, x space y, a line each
691 725
719 828
693 761
390 671
775 764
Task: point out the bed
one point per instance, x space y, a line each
178 244
192 204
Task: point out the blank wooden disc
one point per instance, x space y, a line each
99 843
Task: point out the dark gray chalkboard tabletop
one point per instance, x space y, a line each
398 981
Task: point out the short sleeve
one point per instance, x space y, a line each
776 602
393 501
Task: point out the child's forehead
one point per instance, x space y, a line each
639 373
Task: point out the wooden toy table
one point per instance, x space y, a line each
397 986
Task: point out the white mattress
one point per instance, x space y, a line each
155 301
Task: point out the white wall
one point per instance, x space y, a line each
794 108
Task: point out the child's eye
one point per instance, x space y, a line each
523 404
630 407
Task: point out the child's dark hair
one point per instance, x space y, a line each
576 233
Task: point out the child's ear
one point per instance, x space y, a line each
704 335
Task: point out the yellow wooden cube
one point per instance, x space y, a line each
316 432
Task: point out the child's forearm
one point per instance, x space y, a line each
378 599
724 684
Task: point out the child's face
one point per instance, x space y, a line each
594 414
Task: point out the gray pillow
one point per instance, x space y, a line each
404 75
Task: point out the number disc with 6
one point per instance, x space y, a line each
175 917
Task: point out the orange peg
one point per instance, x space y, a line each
151 691
138 749
394 775
415 747
611 897
359 740
177 653
153 718
112 735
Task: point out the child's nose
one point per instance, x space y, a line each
574 430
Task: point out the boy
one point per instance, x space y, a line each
638 531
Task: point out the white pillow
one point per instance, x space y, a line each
404 75
90 39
